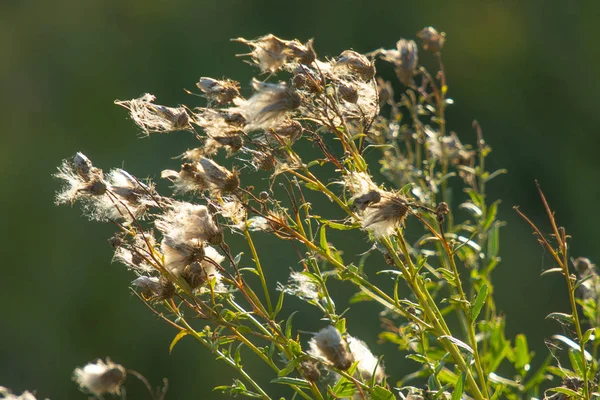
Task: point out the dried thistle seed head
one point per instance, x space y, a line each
271 53
302 53
221 91
269 105
219 178
368 364
329 345
348 91
263 161
149 285
153 118
289 129
188 224
433 40
166 289
357 64
194 275
310 370
405 59
267 52
584 267
189 179
80 179
178 255
308 79
100 377
83 166
384 217
385 91
363 201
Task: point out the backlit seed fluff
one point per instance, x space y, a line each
329 346
8 395
80 179
384 217
100 378
368 364
222 92
269 105
154 118
357 64
271 53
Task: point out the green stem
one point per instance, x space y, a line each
259 270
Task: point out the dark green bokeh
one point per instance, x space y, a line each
527 71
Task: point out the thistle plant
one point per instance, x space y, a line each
431 230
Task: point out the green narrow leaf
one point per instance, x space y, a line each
291 381
493 241
568 392
381 393
288 325
479 302
491 215
561 317
577 362
458 389
279 305
522 357
176 339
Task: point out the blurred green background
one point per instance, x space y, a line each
527 71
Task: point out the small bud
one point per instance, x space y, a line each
100 378
433 41
441 210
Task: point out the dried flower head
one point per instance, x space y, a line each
384 217
357 64
100 378
368 364
269 105
329 346
153 287
405 59
310 370
191 224
271 53
152 117
433 40
221 91
81 179
202 175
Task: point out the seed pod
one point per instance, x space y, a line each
310 370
